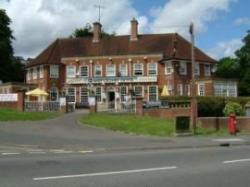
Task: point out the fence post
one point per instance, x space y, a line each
20 101
139 106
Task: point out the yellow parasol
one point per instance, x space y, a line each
36 92
164 91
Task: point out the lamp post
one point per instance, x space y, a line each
193 87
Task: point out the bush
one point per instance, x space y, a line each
233 107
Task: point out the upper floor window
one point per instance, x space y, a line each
54 71
138 69
41 72
152 69
71 71
110 70
34 74
197 69
168 68
98 70
84 71
123 70
28 75
183 68
207 69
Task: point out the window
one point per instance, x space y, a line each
201 89
197 69
207 69
123 93
183 68
98 94
84 94
84 71
152 69
152 94
225 89
123 70
187 89
53 94
54 71
98 70
71 94
110 71
28 75
138 91
180 89
34 73
41 72
168 68
138 69
71 71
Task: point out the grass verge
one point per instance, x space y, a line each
13 115
130 123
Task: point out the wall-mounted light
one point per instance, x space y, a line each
130 60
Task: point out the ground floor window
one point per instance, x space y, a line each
98 94
71 93
53 93
152 93
179 89
123 93
201 89
225 89
84 94
138 91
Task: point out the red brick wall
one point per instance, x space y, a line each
243 123
19 105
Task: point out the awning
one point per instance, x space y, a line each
36 92
164 91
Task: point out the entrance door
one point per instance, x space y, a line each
111 99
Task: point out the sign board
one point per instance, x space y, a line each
62 101
8 97
91 101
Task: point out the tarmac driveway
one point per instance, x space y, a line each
65 132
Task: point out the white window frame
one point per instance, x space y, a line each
200 91
122 95
41 72
34 73
183 68
207 70
142 90
138 69
155 68
28 75
123 73
54 71
70 74
197 68
98 96
169 68
81 94
96 66
157 94
110 73
84 66
180 89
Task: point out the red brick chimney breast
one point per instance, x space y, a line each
97 32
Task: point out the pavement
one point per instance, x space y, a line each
66 134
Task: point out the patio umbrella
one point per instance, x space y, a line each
164 91
36 92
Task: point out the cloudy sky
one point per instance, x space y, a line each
220 24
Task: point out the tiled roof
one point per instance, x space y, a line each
120 45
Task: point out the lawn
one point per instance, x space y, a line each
130 123
13 115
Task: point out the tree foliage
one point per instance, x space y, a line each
11 68
238 67
233 107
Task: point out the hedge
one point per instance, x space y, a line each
209 106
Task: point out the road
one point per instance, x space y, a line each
217 166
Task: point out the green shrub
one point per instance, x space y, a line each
233 107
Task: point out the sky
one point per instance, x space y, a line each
220 25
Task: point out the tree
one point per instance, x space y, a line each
87 30
11 68
227 68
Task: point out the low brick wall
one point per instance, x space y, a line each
18 105
243 123
166 112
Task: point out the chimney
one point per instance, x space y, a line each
134 30
96 32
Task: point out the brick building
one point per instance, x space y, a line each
115 67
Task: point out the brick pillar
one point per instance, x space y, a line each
139 106
20 101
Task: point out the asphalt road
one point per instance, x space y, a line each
221 166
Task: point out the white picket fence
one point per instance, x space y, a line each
116 107
42 106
